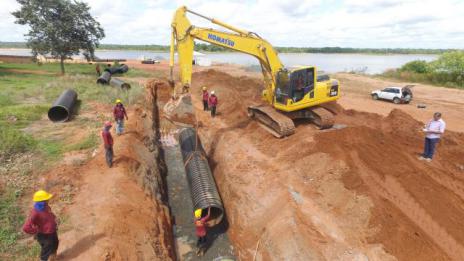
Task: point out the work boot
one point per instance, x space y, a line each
200 252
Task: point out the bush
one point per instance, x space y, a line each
447 70
417 66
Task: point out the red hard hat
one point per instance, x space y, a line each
108 124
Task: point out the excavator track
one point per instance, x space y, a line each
322 118
271 120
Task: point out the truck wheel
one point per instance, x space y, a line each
375 96
396 100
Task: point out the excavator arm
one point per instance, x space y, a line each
289 94
184 34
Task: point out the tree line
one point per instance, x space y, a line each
202 47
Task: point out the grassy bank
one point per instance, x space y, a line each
30 144
447 70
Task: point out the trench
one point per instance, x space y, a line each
164 178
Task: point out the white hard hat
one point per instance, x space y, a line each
212 92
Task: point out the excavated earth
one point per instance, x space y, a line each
350 193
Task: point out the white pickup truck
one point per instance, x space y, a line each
395 94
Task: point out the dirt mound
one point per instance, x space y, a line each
235 94
351 193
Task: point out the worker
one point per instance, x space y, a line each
433 131
119 112
213 101
205 98
42 224
200 225
97 68
108 143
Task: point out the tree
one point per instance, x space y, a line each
61 28
417 66
451 62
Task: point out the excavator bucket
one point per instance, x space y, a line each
179 110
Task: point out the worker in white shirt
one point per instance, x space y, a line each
433 131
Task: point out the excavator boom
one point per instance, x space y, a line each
293 93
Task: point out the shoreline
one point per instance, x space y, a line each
232 52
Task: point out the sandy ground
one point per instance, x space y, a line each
450 102
110 215
349 194
354 193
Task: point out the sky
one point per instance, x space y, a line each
299 23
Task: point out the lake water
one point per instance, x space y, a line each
326 62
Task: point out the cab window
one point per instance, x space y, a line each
302 83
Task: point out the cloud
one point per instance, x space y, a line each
348 23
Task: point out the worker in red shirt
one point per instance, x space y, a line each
205 98
200 225
119 112
213 101
108 143
42 223
97 68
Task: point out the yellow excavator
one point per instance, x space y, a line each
288 94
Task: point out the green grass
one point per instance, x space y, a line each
11 219
436 79
14 141
89 142
25 98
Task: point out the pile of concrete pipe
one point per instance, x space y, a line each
105 77
117 69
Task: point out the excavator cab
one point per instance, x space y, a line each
288 94
294 85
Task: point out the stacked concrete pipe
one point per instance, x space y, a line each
119 83
104 78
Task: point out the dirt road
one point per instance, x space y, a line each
354 193
450 102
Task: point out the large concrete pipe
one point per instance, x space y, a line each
119 83
117 69
104 78
200 179
123 68
63 107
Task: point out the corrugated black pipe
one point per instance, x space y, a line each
123 68
104 78
202 185
119 83
63 107
117 69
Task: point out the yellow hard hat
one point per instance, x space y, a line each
118 101
204 88
198 213
41 195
